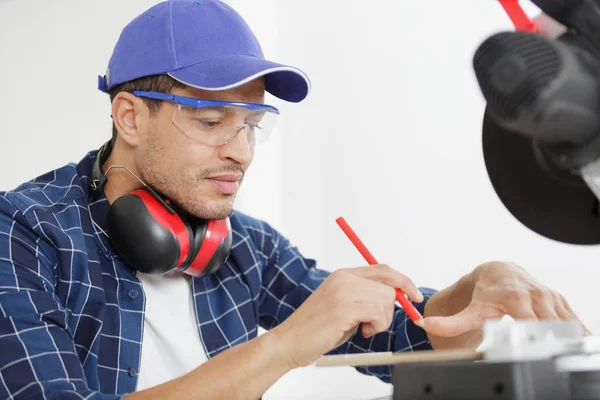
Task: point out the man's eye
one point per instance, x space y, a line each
209 124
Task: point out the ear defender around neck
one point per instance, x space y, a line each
154 236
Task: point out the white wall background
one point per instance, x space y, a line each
388 138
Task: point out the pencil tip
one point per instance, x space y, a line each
420 323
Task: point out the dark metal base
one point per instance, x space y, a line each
476 380
585 385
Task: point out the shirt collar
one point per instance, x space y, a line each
98 206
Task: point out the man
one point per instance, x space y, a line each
187 82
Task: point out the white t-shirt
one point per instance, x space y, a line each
171 343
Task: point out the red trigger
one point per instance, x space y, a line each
518 17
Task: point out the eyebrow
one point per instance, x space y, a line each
221 109
253 113
227 110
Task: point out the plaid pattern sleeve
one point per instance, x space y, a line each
289 278
72 313
38 357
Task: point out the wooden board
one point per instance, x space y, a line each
389 358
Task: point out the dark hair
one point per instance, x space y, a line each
153 83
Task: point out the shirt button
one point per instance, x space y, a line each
133 294
132 372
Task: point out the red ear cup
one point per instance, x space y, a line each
146 235
214 248
153 240
198 229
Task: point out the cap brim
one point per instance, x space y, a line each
227 72
557 209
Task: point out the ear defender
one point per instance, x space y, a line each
154 236
213 249
153 240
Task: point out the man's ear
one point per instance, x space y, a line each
125 106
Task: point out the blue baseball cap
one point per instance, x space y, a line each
202 43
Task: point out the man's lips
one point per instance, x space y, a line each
226 177
227 184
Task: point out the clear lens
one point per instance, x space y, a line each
216 126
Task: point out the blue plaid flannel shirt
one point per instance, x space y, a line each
72 313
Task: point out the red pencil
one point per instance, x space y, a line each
410 309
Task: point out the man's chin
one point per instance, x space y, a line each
220 211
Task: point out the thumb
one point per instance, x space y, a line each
468 319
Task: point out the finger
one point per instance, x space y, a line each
565 304
565 315
369 291
562 312
376 318
368 330
362 301
468 319
525 312
369 303
518 305
389 276
386 275
545 311
571 314
543 306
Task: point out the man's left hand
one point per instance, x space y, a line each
454 317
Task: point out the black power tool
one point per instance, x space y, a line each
541 128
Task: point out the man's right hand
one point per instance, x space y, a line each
347 298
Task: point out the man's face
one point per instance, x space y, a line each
203 180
